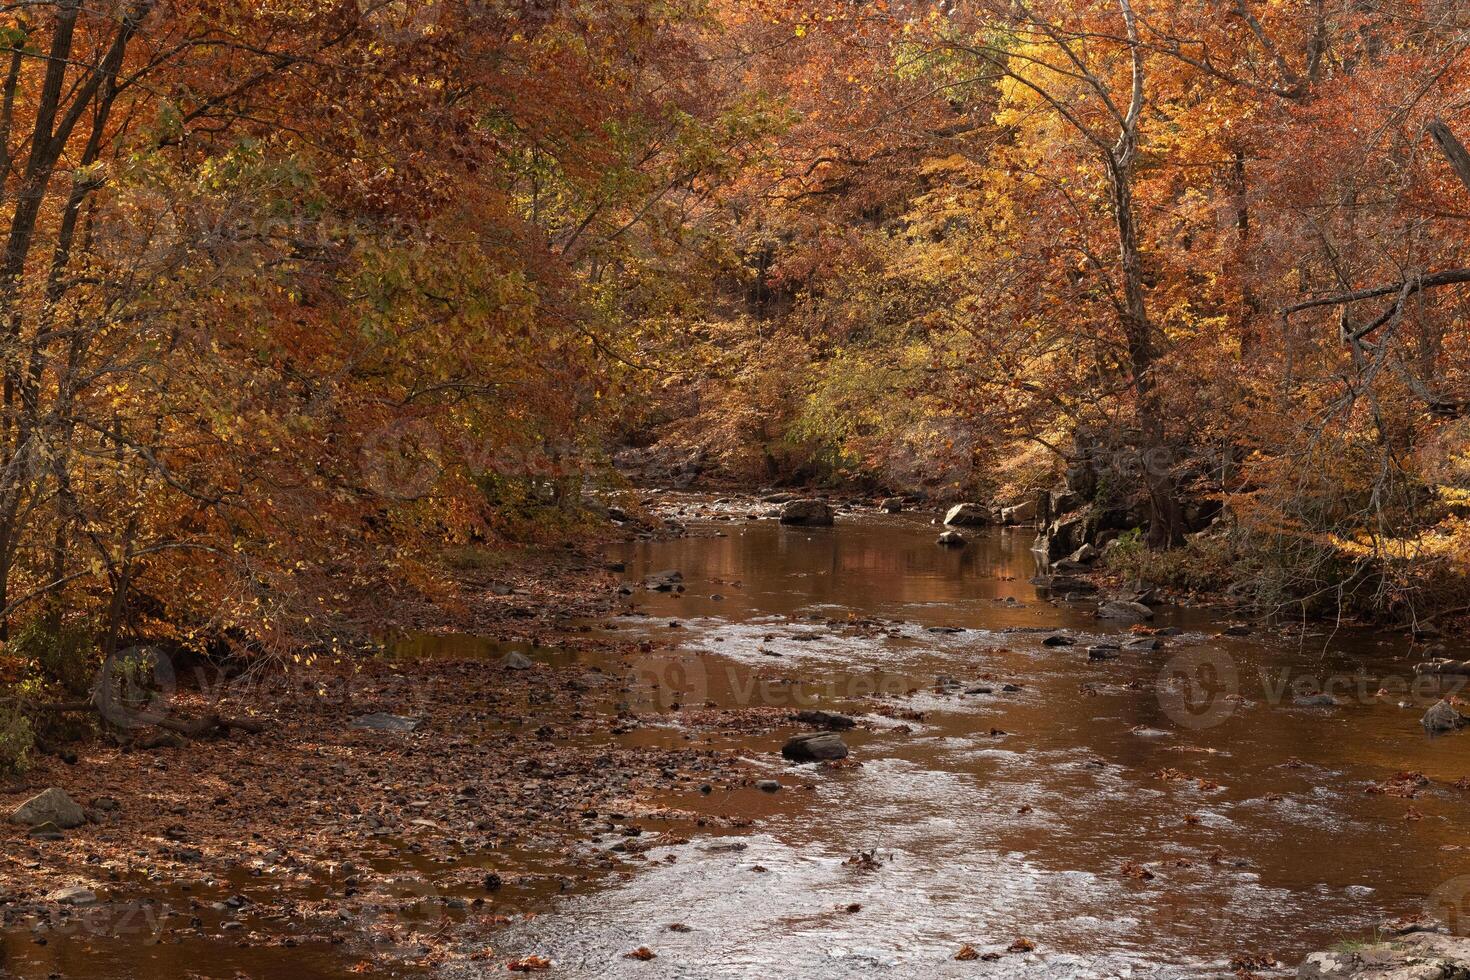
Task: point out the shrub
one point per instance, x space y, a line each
16 741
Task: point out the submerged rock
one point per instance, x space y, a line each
891 505
768 785
1442 718
951 539
1128 612
515 660
1058 640
52 806
807 513
815 748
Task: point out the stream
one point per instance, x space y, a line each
1181 812
1128 822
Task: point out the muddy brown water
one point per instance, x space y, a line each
1159 815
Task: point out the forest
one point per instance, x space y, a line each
336 328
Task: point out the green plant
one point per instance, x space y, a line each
62 656
16 741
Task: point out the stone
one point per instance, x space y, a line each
1064 583
1058 640
891 505
50 806
1084 555
1418 956
72 895
1127 612
515 660
1442 718
1019 514
1315 701
382 721
967 515
825 719
768 785
665 581
1103 651
951 539
1144 643
807 513
815 748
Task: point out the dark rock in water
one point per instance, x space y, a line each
891 505
1009 688
52 806
1128 612
617 514
665 581
616 566
1442 718
815 748
384 722
825 719
1417 956
768 785
946 629
515 661
1058 641
1144 643
1064 583
1168 631
1441 667
1315 701
1103 652
778 498
807 513
1237 629
951 539
968 515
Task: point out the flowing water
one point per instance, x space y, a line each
1193 764
1159 814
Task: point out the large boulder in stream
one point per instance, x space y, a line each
820 747
1124 612
1443 718
1020 513
807 513
52 806
891 505
967 515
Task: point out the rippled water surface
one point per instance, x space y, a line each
1121 826
1160 814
